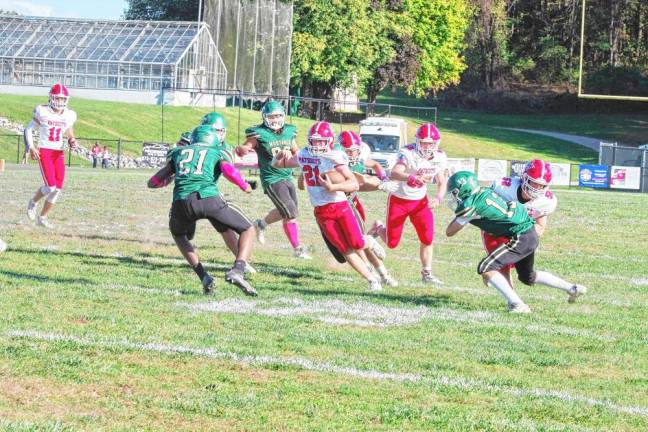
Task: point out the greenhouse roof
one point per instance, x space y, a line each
90 40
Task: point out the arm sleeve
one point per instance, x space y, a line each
233 175
27 133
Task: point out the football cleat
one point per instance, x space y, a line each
374 285
388 280
260 232
428 278
208 285
249 269
31 210
375 229
237 278
575 291
520 308
44 222
300 252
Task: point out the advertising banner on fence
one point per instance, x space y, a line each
622 177
154 154
517 168
594 176
491 169
459 164
560 174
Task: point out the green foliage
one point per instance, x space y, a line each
438 28
162 10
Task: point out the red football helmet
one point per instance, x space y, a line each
428 138
320 138
536 178
58 97
351 143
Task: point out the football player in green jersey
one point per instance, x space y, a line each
196 196
486 210
268 139
218 123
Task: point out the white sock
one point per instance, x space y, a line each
553 281
501 284
382 271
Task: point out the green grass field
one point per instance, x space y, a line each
104 327
464 134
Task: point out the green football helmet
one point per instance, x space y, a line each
272 107
185 139
204 134
461 186
217 122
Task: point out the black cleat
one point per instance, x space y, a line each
208 285
237 278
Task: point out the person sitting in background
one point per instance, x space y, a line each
94 152
105 157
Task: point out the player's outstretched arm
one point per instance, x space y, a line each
540 225
72 142
250 143
161 178
285 159
376 168
442 187
234 176
454 227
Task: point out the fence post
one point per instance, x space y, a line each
162 115
118 152
238 133
17 149
69 156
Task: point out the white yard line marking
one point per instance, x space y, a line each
306 364
367 314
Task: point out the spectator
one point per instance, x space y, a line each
105 158
94 152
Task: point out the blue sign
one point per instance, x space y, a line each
594 176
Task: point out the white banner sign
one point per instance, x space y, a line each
461 164
491 169
560 174
622 177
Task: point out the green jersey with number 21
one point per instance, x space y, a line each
492 214
195 168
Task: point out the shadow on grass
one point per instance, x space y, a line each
120 239
38 278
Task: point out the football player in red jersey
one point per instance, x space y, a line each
53 121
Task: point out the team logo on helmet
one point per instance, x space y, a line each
428 139
461 185
320 138
536 178
274 115
351 144
58 97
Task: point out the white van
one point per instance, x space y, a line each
384 136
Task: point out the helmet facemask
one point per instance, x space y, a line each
319 145
534 188
220 134
427 147
58 102
274 120
353 153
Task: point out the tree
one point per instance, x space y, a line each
162 10
438 28
336 43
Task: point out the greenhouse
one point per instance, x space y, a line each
109 55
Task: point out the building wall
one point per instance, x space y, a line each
142 97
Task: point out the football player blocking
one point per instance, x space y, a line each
267 139
196 169
53 121
328 179
417 165
487 210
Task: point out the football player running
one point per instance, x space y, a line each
267 139
196 196
531 190
333 213
417 165
488 211
53 121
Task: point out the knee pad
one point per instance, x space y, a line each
52 197
45 189
527 279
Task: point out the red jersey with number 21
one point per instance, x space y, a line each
53 126
312 167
